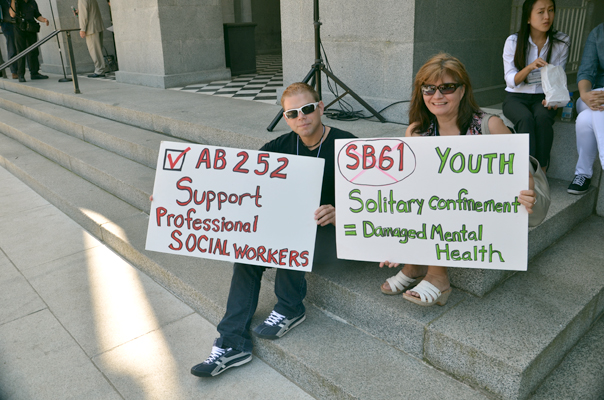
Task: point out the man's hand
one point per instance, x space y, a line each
82 34
594 99
326 214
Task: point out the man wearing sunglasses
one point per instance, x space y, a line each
309 137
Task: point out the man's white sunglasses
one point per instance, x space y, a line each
306 109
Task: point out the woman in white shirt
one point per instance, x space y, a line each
534 46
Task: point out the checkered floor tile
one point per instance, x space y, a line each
261 86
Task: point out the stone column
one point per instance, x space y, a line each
246 10
169 43
65 19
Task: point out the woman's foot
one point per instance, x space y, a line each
410 271
441 282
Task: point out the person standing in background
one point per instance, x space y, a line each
91 29
8 29
26 34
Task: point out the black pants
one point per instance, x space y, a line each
23 40
9 33
530 116
290 289
234 329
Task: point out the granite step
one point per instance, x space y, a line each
509 341
348 291
579 375
134 143
132 138
347 363
127 179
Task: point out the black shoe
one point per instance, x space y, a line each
96 75
22 79
579 185
220 360
277 325
38 76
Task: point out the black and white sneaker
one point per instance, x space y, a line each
220 360
579 185
277 325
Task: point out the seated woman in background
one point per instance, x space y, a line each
442 104
590 121
535 45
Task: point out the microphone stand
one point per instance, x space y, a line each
314 76
65 78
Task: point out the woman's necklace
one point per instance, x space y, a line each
308 147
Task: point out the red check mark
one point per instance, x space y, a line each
173 163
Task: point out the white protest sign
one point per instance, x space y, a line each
446 201
235 205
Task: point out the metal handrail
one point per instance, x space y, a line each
40 43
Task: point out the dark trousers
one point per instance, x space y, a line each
290 289
234 329
530 116
11 48
24 40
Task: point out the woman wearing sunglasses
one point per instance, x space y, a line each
535 45
442 104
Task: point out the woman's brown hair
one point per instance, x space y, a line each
429 73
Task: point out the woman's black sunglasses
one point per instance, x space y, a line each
445 88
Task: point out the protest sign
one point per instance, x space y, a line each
445 201
235 205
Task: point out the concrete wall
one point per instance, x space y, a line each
266 14
474 32
64 19
369 48
168 43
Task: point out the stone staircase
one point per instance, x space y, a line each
499 336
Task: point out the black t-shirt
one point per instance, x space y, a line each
28 11
325 243
288 144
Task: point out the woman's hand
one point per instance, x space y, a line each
549 107
594 99
325 215
388 264
524 72
538 63
528 198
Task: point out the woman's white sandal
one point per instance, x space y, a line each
428 295
399 283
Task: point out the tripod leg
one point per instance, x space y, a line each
308 77
354 95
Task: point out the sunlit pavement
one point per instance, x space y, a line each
79 322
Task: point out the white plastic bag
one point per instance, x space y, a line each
553 81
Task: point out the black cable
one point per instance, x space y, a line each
346 111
